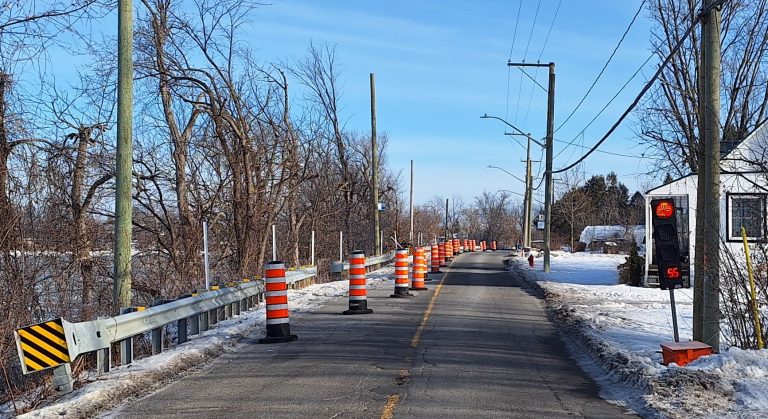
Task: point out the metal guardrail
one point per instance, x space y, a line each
339 266
55 344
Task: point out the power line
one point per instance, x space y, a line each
639 9
533 26
559 3
536 72
639 69
525 55
609 152
645 89
511 49
514 34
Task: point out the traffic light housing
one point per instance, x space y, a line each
666 242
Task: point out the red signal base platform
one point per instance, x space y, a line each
681 353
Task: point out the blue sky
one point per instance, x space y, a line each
440 65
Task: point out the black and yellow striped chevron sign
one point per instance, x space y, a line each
42 346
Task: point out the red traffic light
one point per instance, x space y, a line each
664 209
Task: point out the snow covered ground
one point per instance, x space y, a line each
613 330
621 327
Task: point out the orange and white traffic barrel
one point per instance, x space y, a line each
278 327
441 253
401 274
493 245
358 292
419 269
456 249
448 250
466 245
435 250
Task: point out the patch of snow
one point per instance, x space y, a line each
620 328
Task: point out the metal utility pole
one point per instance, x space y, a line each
410 236
121 293
548 187
374 171
708 201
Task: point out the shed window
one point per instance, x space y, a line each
748 211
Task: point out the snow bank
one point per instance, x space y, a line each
621 327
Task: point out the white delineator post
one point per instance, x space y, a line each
205 255
274 243
312 250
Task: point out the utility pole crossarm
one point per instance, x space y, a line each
511 64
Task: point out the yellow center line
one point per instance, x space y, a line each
417 337
389 408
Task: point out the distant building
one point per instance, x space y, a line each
612 239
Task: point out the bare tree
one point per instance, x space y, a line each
670 118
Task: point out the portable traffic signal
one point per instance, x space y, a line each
666 242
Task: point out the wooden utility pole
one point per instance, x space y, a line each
548 188
374 171
528 196
121 294
707 258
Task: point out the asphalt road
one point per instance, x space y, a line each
476 344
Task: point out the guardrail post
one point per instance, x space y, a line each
126 345
157 339
62 378
204 322
103 359
337 271
227 311
236 308
194 325
213 316
181 326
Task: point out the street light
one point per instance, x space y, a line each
519 131
505 171
528 178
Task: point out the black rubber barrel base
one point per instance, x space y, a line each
363 311
403 295
278 339
358 307
418 288
278 333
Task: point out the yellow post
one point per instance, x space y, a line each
755 311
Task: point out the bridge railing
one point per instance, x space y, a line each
55 344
